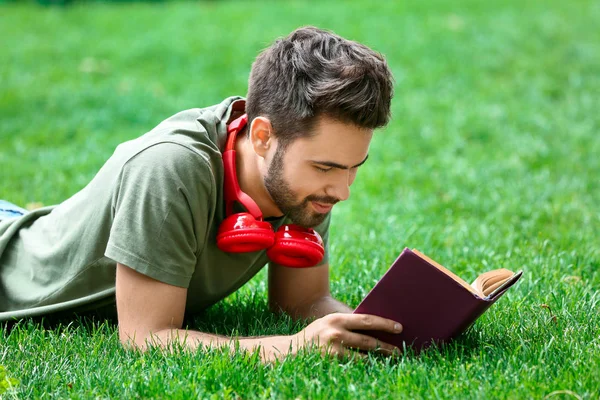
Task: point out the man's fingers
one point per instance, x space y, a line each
356 340
342 351
356 322
352 354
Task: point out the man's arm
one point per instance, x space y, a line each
302 292
151 311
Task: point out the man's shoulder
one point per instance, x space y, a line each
175 159
201 129
209 118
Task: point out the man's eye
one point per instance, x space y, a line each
322 169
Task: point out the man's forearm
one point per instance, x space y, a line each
321 307
270 346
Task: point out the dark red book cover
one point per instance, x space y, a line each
430 305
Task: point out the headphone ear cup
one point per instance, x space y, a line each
296 247
242 233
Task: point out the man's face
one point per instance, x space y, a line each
312 174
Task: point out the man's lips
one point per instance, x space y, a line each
321 208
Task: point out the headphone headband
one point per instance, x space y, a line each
232 189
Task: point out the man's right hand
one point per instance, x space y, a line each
335 333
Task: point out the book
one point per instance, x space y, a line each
431 302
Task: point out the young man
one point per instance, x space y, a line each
143 233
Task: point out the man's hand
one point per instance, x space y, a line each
334 333
152 312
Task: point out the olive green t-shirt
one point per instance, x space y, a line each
155 206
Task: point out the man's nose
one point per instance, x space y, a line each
341 188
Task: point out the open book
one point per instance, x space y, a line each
431 302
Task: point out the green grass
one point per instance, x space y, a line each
492 160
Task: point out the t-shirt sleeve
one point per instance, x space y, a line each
161 208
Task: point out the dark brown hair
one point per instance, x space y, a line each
313 72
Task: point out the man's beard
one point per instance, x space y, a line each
284 197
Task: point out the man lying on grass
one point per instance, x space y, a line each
163 230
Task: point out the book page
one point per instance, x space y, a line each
451 274
489 281
483 286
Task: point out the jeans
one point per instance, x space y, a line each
9 210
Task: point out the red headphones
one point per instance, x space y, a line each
291 246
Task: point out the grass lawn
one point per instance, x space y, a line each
492 160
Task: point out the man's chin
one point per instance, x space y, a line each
314 220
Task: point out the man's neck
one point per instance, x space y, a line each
250 179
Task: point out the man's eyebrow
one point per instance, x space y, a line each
340 166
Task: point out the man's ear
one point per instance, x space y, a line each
261 135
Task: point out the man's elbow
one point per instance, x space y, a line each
295 311
142 340
132 340
276 308
284 309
